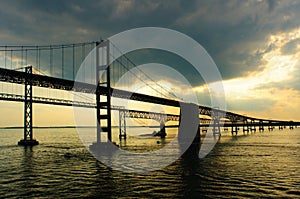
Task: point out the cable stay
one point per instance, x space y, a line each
169 94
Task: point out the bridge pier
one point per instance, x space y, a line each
291 125
261 127
189 130
270 128
216 127
245 127
252 128
216 123
122 125
28 133
194 148
234 128
204 128
162 130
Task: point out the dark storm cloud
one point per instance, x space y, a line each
272 4
73 20
290 47
169 59
233 32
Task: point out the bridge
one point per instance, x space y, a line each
60 71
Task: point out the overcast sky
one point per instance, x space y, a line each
254 43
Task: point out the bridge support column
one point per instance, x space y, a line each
216 127
252 128
162 130
204 128
261 126
122 125
216 122
270 127
28 133
291 125
245 127
189 130
234 128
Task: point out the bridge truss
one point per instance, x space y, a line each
103 88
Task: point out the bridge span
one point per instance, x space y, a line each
231 120
215 118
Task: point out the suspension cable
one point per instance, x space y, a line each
147 76
140 78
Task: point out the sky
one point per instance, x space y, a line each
254 43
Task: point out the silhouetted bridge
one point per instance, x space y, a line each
215 118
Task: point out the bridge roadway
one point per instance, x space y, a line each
18 77
129 113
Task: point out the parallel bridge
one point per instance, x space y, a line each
217 118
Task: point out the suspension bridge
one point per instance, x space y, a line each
55 67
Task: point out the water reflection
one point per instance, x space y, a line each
27 171
256 165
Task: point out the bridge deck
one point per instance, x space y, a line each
19 77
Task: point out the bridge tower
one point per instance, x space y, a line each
28 133
103 79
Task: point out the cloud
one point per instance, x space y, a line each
272 4
253 42
250 105
291 47
232 31
269 88
179 64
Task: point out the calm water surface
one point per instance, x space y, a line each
256 165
